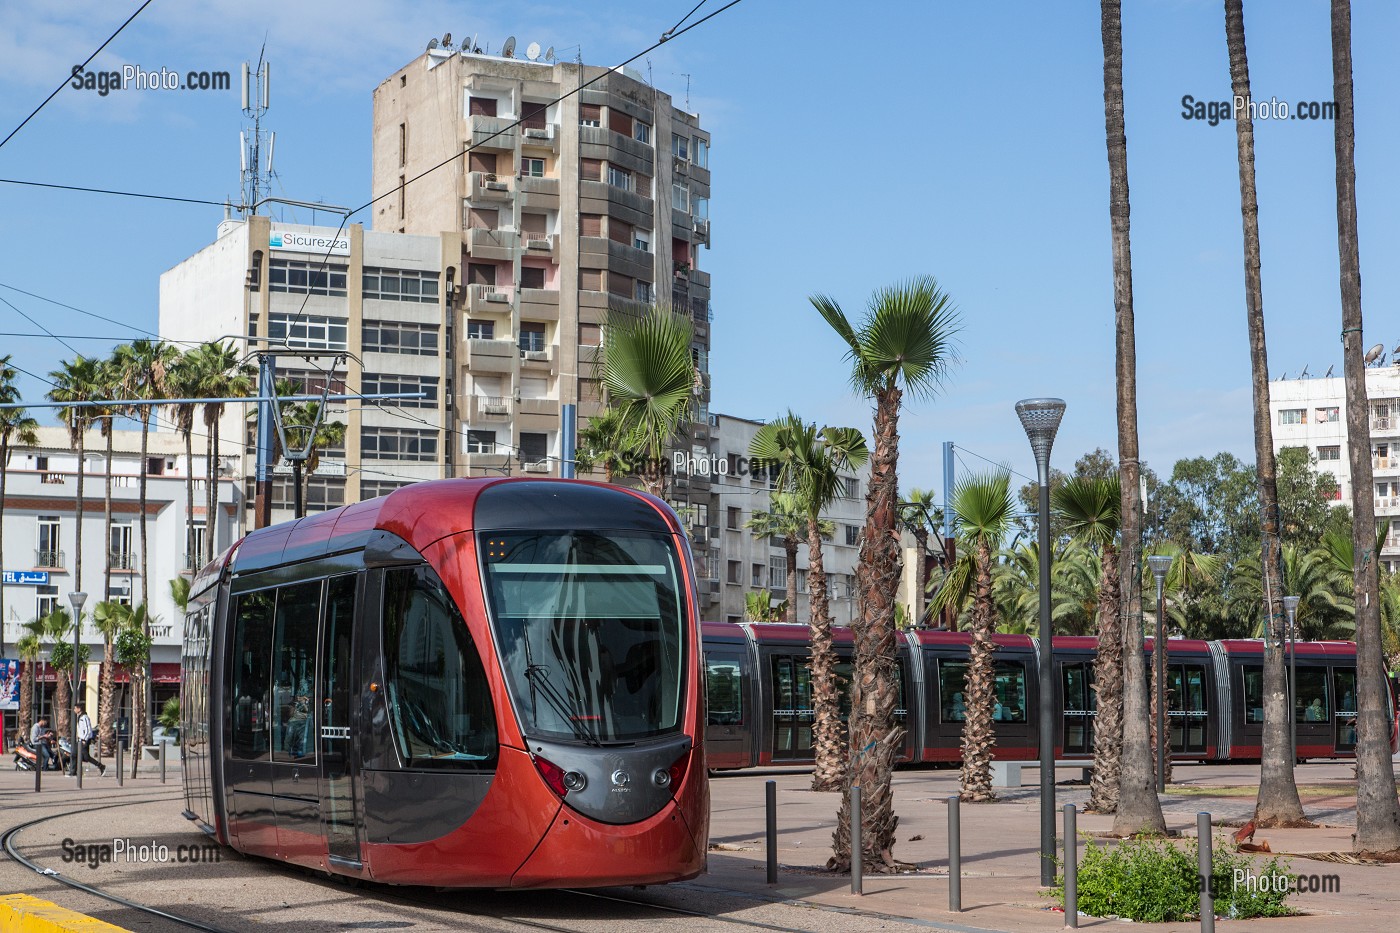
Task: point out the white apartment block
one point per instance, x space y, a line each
1311 413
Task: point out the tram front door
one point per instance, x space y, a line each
339 794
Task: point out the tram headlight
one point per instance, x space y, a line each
575 780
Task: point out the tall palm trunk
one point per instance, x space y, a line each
107 518
921 576
1108 690
62 700
790 544
827 737
141 686
1377 813
78 535
145 442
106 715
211 445
1139 810
191 558
979 735
26 698
1278 802
874 738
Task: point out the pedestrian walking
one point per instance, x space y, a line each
85 737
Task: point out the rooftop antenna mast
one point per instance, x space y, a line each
687 91
255 176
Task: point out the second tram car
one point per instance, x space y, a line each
761 710
467 683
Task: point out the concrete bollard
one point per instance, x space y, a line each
38 772
1205 866
770 793
954 857
1071 870
121 778
857 844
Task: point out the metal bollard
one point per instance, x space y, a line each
954 857
770 792
120 777
1205 866
1071 870
857 844
163 747
38 772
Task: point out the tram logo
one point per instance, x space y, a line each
621 779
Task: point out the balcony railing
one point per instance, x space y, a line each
121 560
53 478
49 558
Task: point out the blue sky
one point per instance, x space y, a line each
853 146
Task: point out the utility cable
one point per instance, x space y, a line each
112 191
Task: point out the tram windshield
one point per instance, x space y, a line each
590 629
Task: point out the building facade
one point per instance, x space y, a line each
367 310
1311 413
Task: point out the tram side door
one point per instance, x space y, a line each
1079 706
1344 716
339 790
792 708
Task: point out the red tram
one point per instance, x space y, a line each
760 696
466 683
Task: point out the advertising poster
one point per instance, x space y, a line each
9 684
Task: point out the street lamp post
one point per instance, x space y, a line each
1290 606
1159 564
77 598
1041 419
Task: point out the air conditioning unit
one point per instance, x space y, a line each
539 466
681 166
537 243
540 132
497 296
539 355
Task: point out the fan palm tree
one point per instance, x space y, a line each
110 618
1090 509
808 463
600 446
1278 803
1325 609
226 377
1139 809
918 513
78 380
57 629
1074 574
984 509
785 520
650 379
16 427
904 344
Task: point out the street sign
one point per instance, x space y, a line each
26 578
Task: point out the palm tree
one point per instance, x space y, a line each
808 463
650 378
110 618
984 508
903 344
1377 811
16 427
145 366
787 521
30 648
226 377
758 606
920 516
186 379
308 432
79 380
1139 810
57 628
1278 803
109 380
600 446
1090 511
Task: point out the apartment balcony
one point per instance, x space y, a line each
490 356
487 408
699 278
495 133
52 479
539 304
492 462
121 560
50 559
541 245
1388 464
605 192
491 244
488 186
538 193
701 229
540 406
542 467
488 299
541 137
1382 423
537 360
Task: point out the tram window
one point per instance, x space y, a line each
1008 691
439 702
294 672
723 688
1346 690
1310 698
252 649
1253 694
1078 686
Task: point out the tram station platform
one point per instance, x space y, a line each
1000 889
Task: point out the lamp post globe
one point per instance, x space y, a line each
1040 417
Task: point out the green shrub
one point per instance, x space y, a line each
1154 881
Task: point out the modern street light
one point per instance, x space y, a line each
77 598
1041 419
1159 564
1290 606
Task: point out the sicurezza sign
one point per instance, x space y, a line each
323 243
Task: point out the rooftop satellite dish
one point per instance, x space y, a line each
1329 372
447 40
549 54
508 50
432 44
1375 353
467 44
1304 373
532 52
